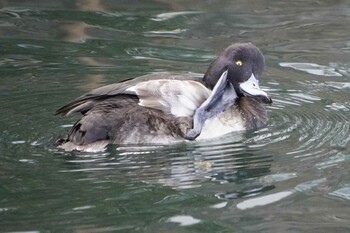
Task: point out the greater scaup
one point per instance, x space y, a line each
163 108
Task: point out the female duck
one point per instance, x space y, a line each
163 107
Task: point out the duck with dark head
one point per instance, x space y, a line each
164 108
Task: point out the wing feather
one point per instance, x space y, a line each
174 94
177 97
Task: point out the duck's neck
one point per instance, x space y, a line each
253 112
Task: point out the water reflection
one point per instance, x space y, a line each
90 5
182 166
75 31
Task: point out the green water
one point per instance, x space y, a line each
292 176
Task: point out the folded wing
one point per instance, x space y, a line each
177 95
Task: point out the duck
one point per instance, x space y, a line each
164 108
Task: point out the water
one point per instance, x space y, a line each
291 176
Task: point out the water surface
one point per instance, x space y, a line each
291 176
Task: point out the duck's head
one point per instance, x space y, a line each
244 64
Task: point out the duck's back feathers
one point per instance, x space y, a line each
97 123
154 108
133 122
162 91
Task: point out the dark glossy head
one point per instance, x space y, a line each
244 63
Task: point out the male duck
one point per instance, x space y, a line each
162 108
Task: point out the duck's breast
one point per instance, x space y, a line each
225 122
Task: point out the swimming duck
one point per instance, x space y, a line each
163 108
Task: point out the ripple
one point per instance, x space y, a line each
338 85
342 192
184 220
305 186
273 178
170 15
305 98
312 68
168 53
342 68
263 200
166 33
333 160
304 126
180 166
338 106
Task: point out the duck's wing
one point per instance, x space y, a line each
178 95
179 98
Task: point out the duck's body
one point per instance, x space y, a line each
165 108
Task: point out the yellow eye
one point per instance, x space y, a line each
239 63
